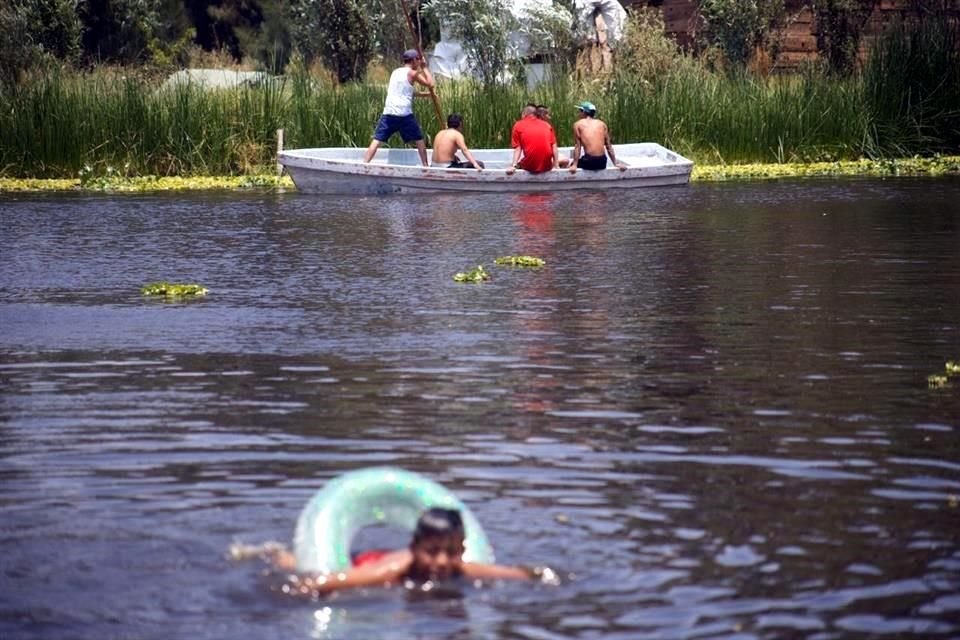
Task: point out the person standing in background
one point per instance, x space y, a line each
398 108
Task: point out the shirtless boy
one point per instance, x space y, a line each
435 553
591 142
446 144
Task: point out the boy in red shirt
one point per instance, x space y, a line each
535 140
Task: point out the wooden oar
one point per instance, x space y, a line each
416 39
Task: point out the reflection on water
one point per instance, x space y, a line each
709 411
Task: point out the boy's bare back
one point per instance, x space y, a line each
445 145
593 135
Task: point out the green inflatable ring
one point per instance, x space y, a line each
374 496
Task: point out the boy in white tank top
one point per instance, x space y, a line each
398 108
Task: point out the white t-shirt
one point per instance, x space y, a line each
399 94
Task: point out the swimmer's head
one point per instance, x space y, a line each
437 544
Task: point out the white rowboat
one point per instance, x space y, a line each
342 171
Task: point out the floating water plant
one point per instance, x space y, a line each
173 290
937 380
479 274
521 261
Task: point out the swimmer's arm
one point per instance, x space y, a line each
283 559
495 572
388 570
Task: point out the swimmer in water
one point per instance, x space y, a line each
435 554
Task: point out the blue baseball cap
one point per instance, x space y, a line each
587 107
411 54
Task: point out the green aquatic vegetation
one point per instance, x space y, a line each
476 276
173 290
521 261
937 380
916 166
149 183
38 184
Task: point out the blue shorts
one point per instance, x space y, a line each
407 126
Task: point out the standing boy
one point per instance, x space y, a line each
398 108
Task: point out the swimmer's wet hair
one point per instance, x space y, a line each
438 523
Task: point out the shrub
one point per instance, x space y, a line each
912 85
17 50
840 26
336 31
738 27
646 51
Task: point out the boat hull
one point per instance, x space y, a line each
398 171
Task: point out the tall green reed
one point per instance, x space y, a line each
741 118
912 86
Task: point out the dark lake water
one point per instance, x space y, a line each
709 412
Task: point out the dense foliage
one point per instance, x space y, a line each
345 47
738 27
344 35
840 25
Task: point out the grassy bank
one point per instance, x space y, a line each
105 125
935 166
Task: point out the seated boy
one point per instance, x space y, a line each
447 142
435 553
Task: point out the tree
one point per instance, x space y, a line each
118 31
17 49
263 34
481 27
36 30
388 26
335 31
737 27
647 52
840 25
53 26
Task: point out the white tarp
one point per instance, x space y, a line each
214 78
